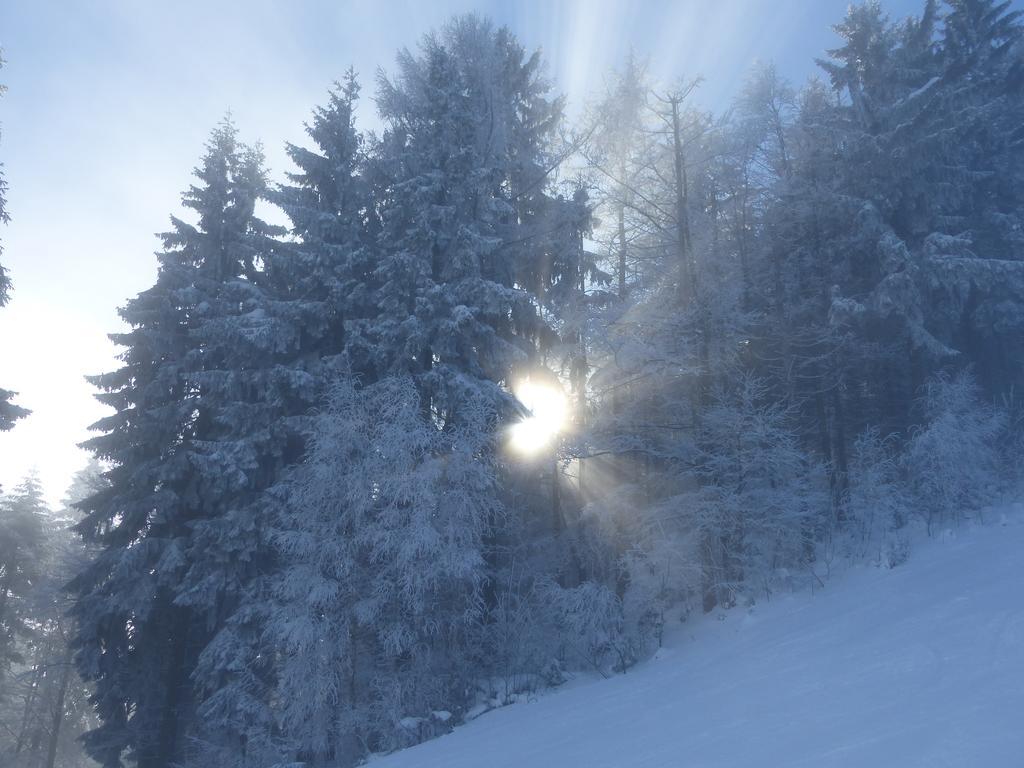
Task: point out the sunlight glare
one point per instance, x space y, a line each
548 412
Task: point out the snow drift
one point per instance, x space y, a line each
921 665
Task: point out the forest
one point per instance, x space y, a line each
468 403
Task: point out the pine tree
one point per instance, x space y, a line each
920 214
188 453
315 289
478 255
23 516
48 707
980 32
324 277
377 606
9 412
470 235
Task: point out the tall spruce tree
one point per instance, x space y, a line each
314 289
477 252
188 449
325 273
471 239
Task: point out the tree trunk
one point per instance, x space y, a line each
622 252
30 701
58 711
687 284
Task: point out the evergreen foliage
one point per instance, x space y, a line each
9 412
45 706
23 516
190 445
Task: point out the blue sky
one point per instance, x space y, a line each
110 101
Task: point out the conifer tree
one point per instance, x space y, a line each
314 290
470 234
378 604
323 277
918 201
478 255
9 412
47 708
23 516
188 452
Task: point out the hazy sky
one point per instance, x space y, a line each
109 104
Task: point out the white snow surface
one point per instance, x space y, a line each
921 665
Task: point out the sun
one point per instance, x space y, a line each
548 412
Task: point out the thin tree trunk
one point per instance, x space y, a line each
58 711
687 285
622 252
29 703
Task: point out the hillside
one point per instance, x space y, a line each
922 665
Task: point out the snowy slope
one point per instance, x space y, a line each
922 665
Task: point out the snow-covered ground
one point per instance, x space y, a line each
922 665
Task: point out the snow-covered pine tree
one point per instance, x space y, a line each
376 608
981 271
322 278
241 369
825 240
924 264
188 449
9 412
46 706
477 254
314 287
23 515
471 240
